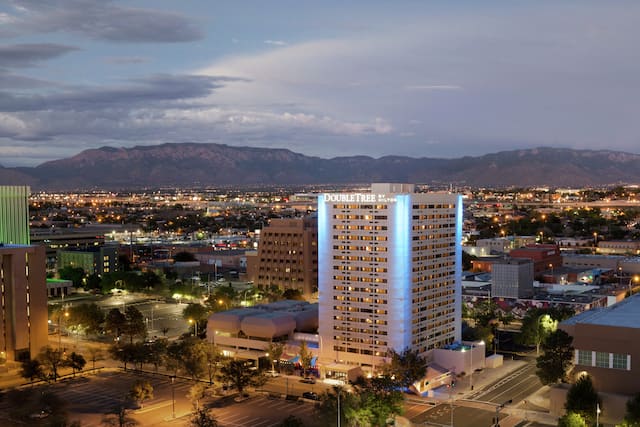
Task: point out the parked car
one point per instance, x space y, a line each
310 395
308 380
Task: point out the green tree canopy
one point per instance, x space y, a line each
305 357
115 322
275 350
197 312
406 367
556 358
238 374
202 418
31 369
51 360
75 274
134 326
583 399
87 318
141 390
76 362
572 419
632 417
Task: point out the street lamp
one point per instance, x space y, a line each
173 396
66 316
195 326
498 408
632 280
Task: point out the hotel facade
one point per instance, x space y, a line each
389 266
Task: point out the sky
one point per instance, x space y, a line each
324 78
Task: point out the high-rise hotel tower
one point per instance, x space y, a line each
389 265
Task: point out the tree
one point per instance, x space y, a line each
115 322
582 398
76 362
202 418
51 360
141 390
293 294
75 274
86 317
238 374
157 352
556 358
134 326
537 324
213 357
632 417
406 367
194 311
571 419
196 393
305 357
291 421
95 354
31 369
275 350
193 357
119 417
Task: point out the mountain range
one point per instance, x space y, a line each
199 165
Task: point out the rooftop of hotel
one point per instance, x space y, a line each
624 314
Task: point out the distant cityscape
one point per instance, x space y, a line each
311 292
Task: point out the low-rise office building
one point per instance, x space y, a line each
607 345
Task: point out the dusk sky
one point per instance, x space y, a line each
324 78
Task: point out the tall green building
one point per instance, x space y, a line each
14 215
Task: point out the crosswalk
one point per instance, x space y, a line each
261 412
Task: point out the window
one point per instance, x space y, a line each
619 361
602 359
584 357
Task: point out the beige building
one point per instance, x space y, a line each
23 313
287 256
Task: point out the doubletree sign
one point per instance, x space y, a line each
358 198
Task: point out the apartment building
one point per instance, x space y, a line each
94 260
23 312
287 255
389 266
512 278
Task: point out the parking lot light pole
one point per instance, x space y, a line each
173 397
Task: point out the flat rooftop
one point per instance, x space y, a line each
626 314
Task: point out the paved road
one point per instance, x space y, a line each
516 386
478 408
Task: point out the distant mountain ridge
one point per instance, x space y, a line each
195 164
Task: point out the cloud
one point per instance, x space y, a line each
27 55
142 91
101 20
433 87
126 60
275 42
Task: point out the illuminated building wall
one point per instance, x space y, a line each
389 272
14 215
23 293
